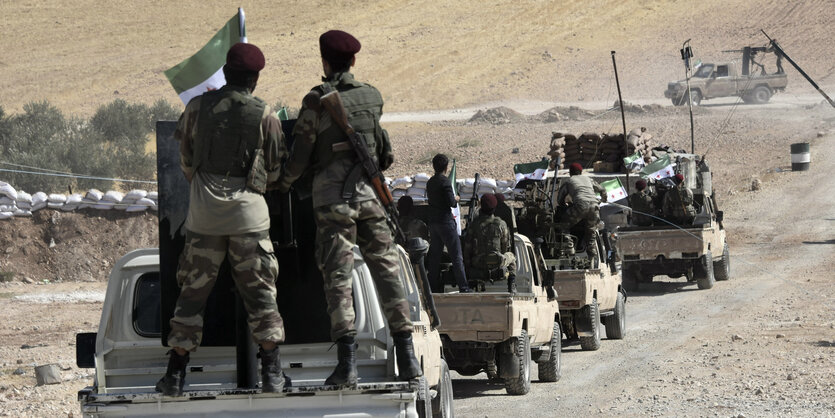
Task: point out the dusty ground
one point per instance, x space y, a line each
680 356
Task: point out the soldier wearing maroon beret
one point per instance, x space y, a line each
231 146
346 207
678 205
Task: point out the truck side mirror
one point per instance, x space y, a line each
85 350
720 215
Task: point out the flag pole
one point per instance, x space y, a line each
622 115
242 23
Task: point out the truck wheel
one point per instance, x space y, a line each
697 97
521 384
424 404
706 280
492 371
761 94
616 324
592 343
678 101
442 404
722 268
550 370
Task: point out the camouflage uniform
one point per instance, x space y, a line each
678 205
584 207
344 221
414 227
227 214
488 244
642 201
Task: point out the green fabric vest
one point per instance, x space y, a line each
363 104
228 132
488 236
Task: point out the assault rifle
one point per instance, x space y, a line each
332 102
473 201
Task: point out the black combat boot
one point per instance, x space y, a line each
345 373
175 376
407 364
273 378
511 284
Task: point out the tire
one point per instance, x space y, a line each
722 268
707 280
697 97
442 405
761 94
678 101
551 370
521 384
424 405
592 343
492 371
616 324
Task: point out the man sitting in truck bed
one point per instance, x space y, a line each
643 205
678 203
488 251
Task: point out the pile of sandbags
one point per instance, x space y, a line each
639 140
604 153
486 185
17 203
557 150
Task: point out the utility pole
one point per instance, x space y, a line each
622 116
686 54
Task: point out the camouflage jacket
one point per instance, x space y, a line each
315 132
642 201
580 188
487 235
678 202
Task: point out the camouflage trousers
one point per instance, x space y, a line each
589 214
482 265
254 270
339 227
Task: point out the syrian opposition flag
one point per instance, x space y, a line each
659 169
634 161
614 190
203 71
456 211
530 171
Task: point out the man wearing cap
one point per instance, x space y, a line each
231 147
578 196
678 203
642 204
489 246
346 209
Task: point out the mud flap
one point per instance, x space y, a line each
582 322
507 361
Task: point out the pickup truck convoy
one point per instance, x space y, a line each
128 355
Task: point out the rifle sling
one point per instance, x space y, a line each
350 185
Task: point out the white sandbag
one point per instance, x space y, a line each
38 198
401 181
57 198
153 195
23 197
22 213
6 215
7 190
416 192
135 195
136 208
8 208
87 203
6 200
469 182
74 199
398 193
38 206
94 195
104 205
55 205
419 185
502 184
422 177
488 182
113 196
24 205
144 202
486 189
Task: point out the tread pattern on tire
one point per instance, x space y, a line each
521 384
444 398
707 280
550 370
592 343
615 328
722 268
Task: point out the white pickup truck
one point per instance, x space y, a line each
129 358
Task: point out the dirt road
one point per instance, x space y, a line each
760 344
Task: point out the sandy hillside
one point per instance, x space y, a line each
422 55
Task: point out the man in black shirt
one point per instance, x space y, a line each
442 229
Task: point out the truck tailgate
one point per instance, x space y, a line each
368 400
474 316
571 286
649 244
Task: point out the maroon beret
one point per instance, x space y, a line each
488 202
339 46
679 178
575 168
499 197
641 184
245 57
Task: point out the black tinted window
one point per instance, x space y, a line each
146 306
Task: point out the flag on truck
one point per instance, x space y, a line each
659 169
530 171
614 190
203 71
456 211
634 161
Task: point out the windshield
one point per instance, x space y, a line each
704 71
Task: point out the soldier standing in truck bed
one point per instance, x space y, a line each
231 147
678 203
643 205
489 245
583 207
346 208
